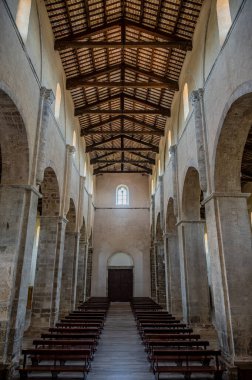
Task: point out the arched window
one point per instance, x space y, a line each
159 167
57 101
185 101
122 195
169 142
22 17
224 18
74 139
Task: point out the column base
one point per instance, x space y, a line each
7 372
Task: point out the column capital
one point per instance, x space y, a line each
47 94
70 149
190 222
173 149
234 194
196 96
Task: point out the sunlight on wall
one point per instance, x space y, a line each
57 101
185 101
224 18
22 17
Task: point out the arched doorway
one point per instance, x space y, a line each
194 280
120 277
229 229
174 302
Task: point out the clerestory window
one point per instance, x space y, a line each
122 195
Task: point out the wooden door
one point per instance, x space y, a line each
120 285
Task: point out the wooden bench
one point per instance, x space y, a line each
186 363
70 336
189 344
45 343
59 357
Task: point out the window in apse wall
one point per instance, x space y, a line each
185 101
169 142
224 18
23 17
57 101
122 195
74 139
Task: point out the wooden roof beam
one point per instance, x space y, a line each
122 161
145 103
140 123
123 85
90 32
81 110
185 44
94 145
75 82
100 124
121 171
122 113
150 160
173 85
139 141
77 44
124 149
129 132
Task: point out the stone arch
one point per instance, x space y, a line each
17 204
228 226
234 128
50 194
68 293
46 254
191 195
13 143
120 259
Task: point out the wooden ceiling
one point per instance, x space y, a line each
122 60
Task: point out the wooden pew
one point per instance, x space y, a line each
57 359
188 362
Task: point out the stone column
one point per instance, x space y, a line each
75 268
82 246
229 239
89 272
62 223
199 121
173 153
87 275
160 273
68 280
68 175
18 208
45 269
193 267
81 270
47 98
173 295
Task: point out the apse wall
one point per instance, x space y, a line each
121 229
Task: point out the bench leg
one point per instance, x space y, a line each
187 376
23 375
218 376
54 375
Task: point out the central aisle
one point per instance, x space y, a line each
120 354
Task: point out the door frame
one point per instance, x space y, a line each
120 267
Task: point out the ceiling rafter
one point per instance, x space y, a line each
122 112
78 81
82 110
76 40
128 71
129 132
